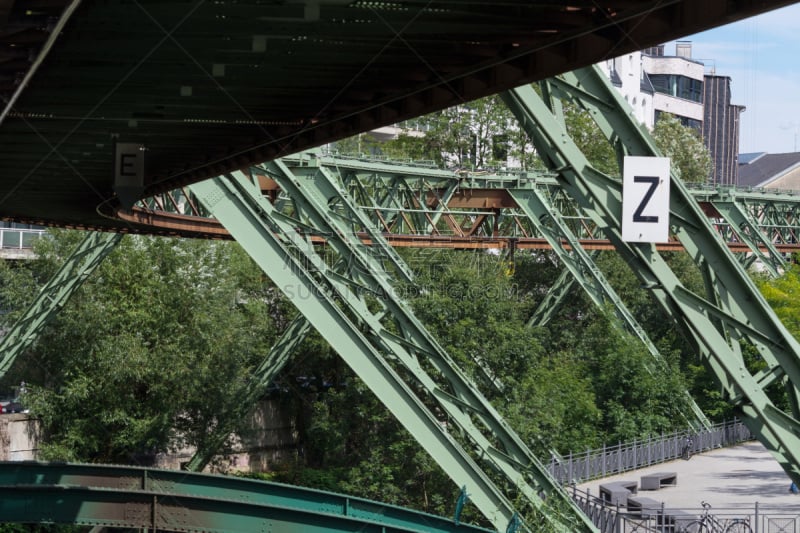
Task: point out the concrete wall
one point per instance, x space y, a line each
678 106
19 437
679 66
272 439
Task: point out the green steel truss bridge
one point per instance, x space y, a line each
419 206
283 210
209 90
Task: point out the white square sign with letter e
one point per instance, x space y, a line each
645 199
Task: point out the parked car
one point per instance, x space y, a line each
13 406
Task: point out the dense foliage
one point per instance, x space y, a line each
149 352
690 159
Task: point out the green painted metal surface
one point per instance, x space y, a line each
76 269
763 219
168 500
421 206
554 299
337 307
731 310
299 328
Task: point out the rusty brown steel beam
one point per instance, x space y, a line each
199 227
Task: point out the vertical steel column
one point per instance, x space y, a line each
735 304
76 269
403 366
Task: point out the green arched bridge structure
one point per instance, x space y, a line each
118 114
168 500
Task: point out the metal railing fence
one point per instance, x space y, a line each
753 518
13 238
609 460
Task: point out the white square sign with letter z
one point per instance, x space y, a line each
645 199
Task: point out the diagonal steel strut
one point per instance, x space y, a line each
51 298
731 311
404 366
586 272
748 231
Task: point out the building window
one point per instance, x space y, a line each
686 121
678 86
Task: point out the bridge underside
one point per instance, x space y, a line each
211 87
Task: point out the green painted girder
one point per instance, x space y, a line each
86 257
336 307
732 310
297 331
390 194
588 275
458 397
348 219
340 204
554 299
411 201
778 219
397 188
748 231
169 500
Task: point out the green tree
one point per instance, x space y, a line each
478 314
637 394
150 351
470 135
690 158
587 136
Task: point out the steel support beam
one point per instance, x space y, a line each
554 299
268 370
748 231
52 297
381 340
731 311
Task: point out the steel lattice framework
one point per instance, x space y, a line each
413 205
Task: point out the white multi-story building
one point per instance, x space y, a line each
629 77
678 83
653 83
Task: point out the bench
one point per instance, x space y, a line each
675 520
646 507
658 480
617 493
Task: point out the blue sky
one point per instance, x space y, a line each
762 57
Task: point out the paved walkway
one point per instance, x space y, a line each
726 478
